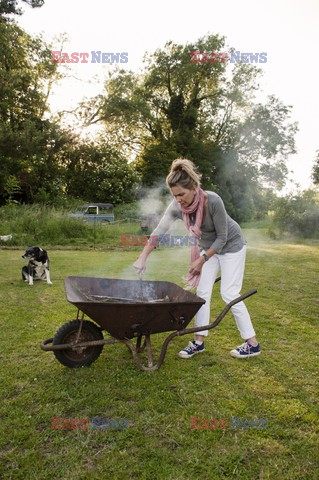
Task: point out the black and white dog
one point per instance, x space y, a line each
38 267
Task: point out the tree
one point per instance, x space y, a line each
94 172
298 214
157 111
39 160
8 7
315 170
28 139
179 108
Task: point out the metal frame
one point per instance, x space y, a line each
137 349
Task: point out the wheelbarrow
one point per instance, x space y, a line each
127 310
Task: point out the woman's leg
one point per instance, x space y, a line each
232 272
204 290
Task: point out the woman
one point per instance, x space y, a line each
222 247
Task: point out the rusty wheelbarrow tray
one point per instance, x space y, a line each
126 309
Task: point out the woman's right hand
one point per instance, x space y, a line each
140 265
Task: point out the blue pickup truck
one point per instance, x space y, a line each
95 212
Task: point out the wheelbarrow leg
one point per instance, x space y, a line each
138 347
81 325
136 357
149 351
138 343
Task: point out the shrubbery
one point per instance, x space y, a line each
298 214
47 226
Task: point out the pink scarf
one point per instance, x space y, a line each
198 206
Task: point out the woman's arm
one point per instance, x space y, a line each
140 263
170 215
197 265
219 215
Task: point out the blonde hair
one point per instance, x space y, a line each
183 172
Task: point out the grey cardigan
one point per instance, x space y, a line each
219 230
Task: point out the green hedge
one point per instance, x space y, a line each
47 226
298 214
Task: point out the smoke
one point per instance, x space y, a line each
160 263
151 205
154 203
153 200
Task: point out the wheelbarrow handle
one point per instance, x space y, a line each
220 316
205 327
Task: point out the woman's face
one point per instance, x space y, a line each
183 196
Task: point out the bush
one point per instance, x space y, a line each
298 214
127 211
47 226
38 224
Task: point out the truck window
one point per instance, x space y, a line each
91 211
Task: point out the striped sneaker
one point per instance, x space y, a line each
191 350
246 350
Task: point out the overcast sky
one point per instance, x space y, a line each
286 29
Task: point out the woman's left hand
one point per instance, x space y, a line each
196 266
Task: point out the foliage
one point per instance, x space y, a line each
11 188
204 112
315 170
244 197
298 214
128 211
29 141
8 7
95 172
45 162
49 226
174 108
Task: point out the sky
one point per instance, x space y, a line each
287 30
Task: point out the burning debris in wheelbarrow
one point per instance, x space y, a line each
105 298
135 292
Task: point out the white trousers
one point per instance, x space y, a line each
232 266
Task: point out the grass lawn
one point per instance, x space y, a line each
280 385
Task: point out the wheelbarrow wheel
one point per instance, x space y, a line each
82 356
